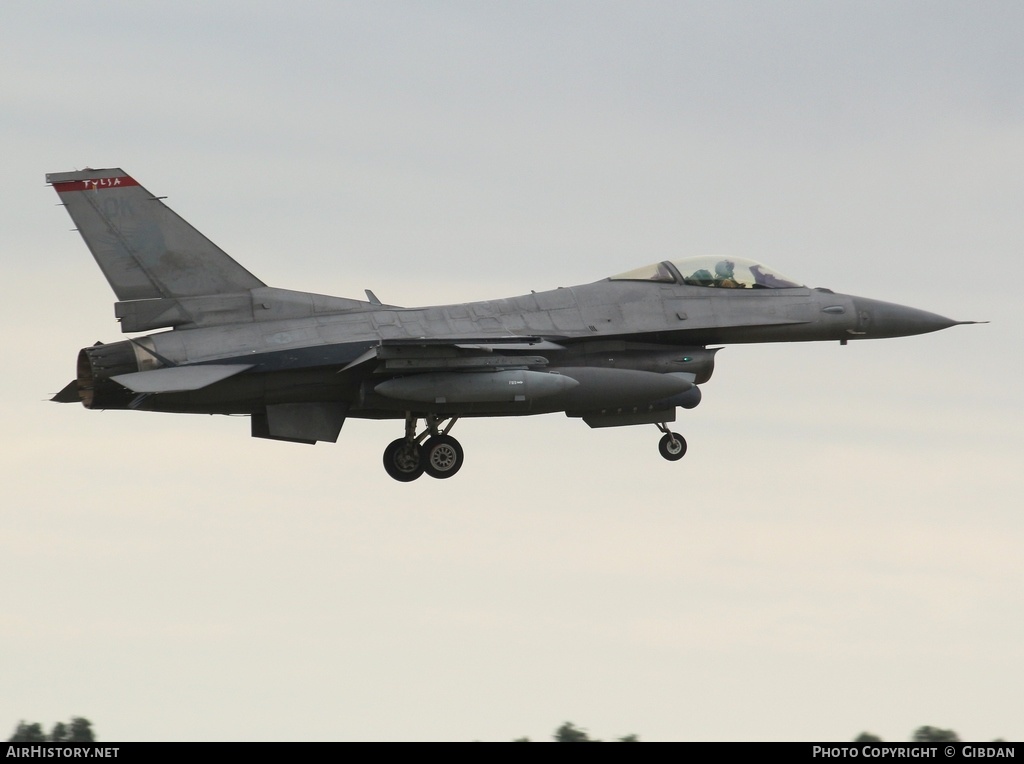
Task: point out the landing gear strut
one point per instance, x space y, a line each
672 445
440 456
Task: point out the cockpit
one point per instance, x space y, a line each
722 272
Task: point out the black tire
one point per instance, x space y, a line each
442 456
403 460
672 446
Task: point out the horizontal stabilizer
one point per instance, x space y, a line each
178 379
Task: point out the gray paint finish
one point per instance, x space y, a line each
621 351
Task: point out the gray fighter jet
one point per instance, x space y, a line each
626 350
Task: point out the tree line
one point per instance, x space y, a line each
79 730
570 733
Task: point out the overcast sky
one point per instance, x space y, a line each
840 549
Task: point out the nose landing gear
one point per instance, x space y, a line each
672 445
440 456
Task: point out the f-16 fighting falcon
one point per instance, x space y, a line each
625 350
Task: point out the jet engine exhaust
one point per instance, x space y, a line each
96 365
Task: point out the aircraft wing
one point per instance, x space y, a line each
178 379
455 354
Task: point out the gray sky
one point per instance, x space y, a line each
840 549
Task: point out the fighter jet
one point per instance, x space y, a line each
626 350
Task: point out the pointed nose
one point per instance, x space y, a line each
886 319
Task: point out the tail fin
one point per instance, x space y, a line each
143 248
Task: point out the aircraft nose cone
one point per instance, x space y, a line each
886 319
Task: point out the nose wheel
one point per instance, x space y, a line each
672 445
433 452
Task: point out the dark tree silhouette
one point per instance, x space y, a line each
27 733
934 735
570 733
79 730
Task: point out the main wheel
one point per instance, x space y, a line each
442 456
403 460
672 446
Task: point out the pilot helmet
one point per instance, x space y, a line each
724 269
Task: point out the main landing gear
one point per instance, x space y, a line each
672 445
433 451
438 454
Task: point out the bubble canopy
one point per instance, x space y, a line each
711 271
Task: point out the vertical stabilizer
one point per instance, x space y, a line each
144 248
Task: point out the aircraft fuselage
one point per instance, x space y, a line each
626 350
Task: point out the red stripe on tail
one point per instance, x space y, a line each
95 184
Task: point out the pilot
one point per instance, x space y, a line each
702 277
725 275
